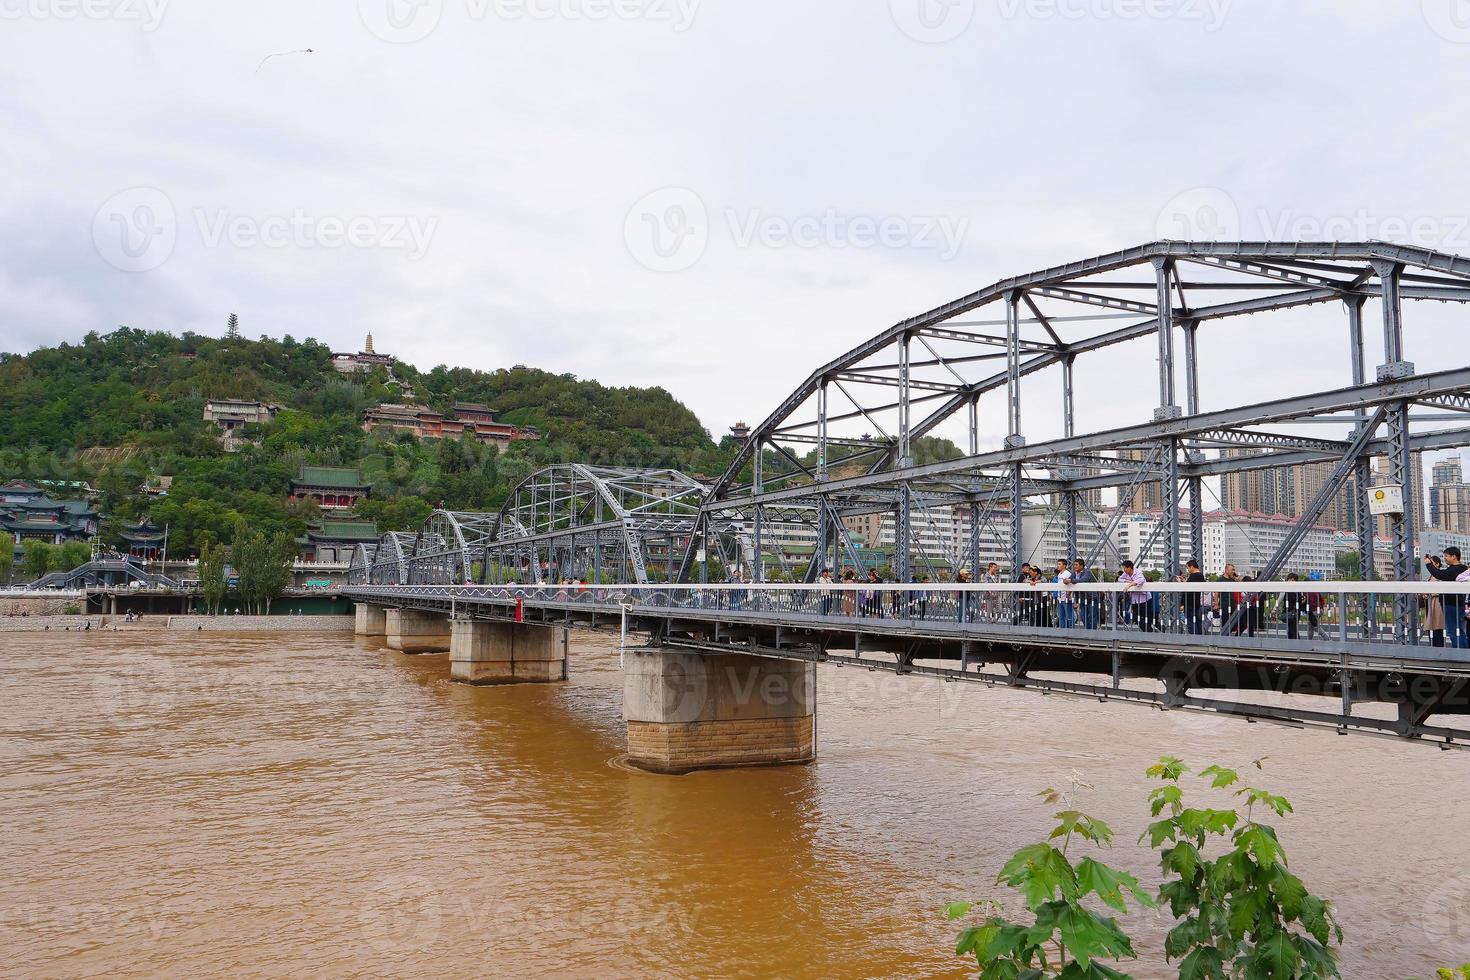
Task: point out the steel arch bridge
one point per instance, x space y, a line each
846 442
596 523
567 521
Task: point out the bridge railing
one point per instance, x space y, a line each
1428 615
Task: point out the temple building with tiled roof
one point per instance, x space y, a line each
332 487
334 541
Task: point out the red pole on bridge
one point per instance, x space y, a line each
520 610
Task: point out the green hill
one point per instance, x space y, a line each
122 408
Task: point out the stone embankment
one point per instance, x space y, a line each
190 624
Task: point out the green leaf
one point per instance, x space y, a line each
1205 963
1275 956
1160 831
1245 908
956 910
1320 961
1168 768
1183 859
1261 843
1278 804
1073 821
1088 935
1093 876
1165 796
1008 940
1316 918
1005 970
1290 893
1220 778
1039 872
1181 896
1195 823
1183 936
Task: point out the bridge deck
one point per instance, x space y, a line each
1350 655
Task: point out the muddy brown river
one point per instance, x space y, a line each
309 805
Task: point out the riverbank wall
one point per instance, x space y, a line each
179 624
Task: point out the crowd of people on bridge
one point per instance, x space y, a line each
1228 605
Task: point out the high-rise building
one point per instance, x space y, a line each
1145 496
1287 490
1451 504
1445 473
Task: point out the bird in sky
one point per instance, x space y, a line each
280 54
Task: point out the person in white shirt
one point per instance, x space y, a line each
1066 612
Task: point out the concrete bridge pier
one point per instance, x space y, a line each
415 631
370 620
688 711
484 652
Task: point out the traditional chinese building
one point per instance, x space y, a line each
28 513
330 486
334 541
144 540
475 420
364 360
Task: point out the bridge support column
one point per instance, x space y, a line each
414 631
506 653
688 711
370 620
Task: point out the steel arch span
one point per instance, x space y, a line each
359 570
390 559
601 524
450 548
846 444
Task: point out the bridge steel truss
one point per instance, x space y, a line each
845 442
601 524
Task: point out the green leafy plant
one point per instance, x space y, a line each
1243 914
1068 937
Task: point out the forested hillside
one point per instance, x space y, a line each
122 409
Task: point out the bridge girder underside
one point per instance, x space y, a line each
851 440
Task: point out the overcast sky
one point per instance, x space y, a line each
714 196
